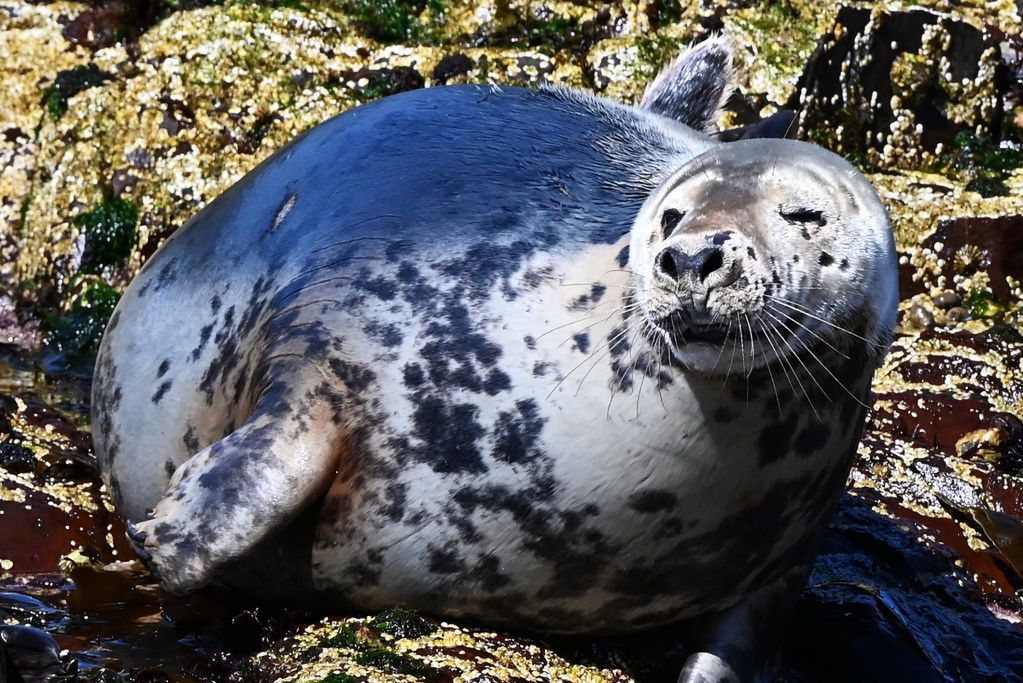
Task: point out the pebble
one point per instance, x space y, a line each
957 314
920 317
947 299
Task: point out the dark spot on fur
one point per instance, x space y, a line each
164 388
388 334
826 259
752 254
844 264
517 436
190 440
775 440
496 382
623 257
204 337
722 414
487 571
164 367
445 560
812 438
582 341
413 375
449 432
530 342
652 500
540 369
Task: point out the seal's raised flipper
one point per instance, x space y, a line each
233 494
693 88
740 644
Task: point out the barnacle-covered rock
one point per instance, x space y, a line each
896 88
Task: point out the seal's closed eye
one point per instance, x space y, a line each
670 220
802 216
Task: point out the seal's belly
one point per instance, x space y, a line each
542 466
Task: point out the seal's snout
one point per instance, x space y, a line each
675 262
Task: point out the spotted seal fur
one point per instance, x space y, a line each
531 358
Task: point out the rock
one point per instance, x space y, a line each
28 655
895 86
51 499
920 317
957 314
947 299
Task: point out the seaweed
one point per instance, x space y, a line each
403 623
110 231
77 333
69 83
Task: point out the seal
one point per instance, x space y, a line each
528 358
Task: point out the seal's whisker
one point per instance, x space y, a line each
583 319
752 346
628 308
788 359
789 318
781 360
590 284
607 343
832 375
617 384
798 309
770 372
722 349
660 348
799 358
742 347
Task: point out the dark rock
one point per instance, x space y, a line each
957 314
28 655
850 79
452 66
920 317
947 299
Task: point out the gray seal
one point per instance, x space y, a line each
529 358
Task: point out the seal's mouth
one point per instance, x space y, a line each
683 330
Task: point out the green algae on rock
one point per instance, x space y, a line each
351 649
69 83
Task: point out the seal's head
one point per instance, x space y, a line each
764 248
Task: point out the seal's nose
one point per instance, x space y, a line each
674 262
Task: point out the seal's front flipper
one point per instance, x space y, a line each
230 496
693 88
740 644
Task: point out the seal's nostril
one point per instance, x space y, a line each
712 262
666 264
674 263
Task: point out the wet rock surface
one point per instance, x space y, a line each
120 120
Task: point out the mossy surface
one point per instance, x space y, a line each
77 332
402 623
984 166
391 21
110 234
345 636
336 678
386 659
69 83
